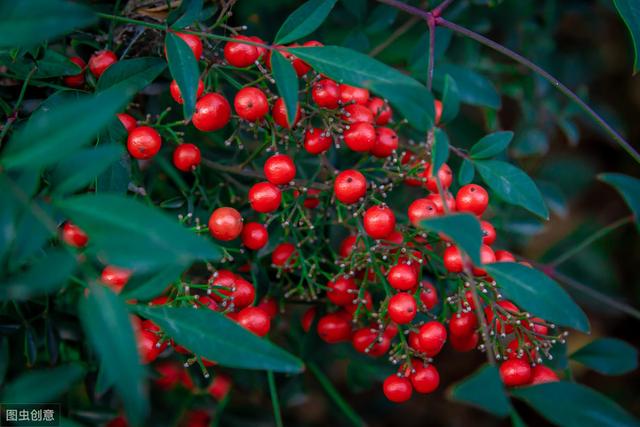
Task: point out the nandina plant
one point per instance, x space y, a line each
186 206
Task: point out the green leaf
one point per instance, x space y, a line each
82 168
106 322
52 64
408 96
117 176
574 405
440 152
29 224
43 141
185 15
304 20
474 88
629 11
287 83
46 275
42 385
483 389
609 356
184 69
464 229
466 172
538 294
27 23
381 18
150 286
491 145
629 189
512 185
127 233
215 337
450 99
135 73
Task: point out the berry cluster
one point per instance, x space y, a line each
390 289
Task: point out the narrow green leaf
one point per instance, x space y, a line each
450 99
51 64
334 394
440 153
150 286
42 385
574 405
629 11
304 20
538 294
43 141
609 356
473 88
185 15
44 276
29 224
115 179
408 96
27 23
464 229
136 73
287 83
483 389
125 232
106 322
512 185
184 69
629 189
491 145
466 172
82 168
215 337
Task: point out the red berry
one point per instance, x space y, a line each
347 246
316 142
440 201
269 305
502 325
381 111
402 277
212 112
356 113
472 198
538 325
488 232
255 319
402 308
334 328
218 389
241 54
76 80
342 291
425 379
264 197
463 324
385 144
115 277
307 318
144 142
367 341
127 121
420 210
194 43
379 221
360 137
186 157
438 110
171 374
244 293
254 236
486 257
350 186
397 389
464 343
504 256
279 169
312 201
225 224
326 93
147 345
279 113
452 259
283 254
428 295
515 372
432 337
100 61
251 104
353 94
174 89
444 175
74 235
542 374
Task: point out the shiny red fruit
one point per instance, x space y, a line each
515 372
334 328
428 295
115 277
307 318
171 374
129 122
444 175
425 379
326 93
144 142
243 294
100 61
432 337
255 319
218 389
486 257
74 235
225 224
279 169
269 305
402 308
488 232
316 141
147 345
465 343
379 221
349 186
501 324
76 80
366 341
186 157
440 202
542 374
241 54
254 236
381 111
472 198
402 277
397 389
279 113
386 142
420 210
452 259
463 324
504 256
342 291
360 137
264 197
194 43
177 95
212 112
352 94
283 254
347 246
438 110
356 113
251 104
